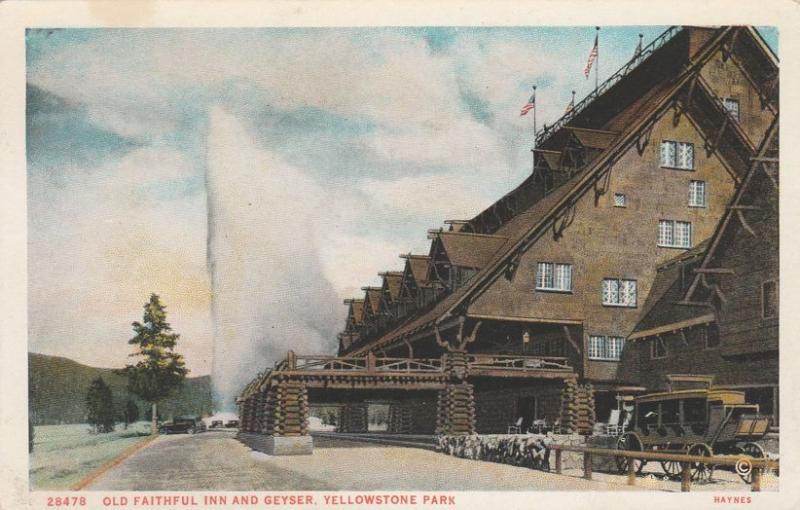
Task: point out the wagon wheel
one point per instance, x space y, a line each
700 470
751 450
629 441
672 468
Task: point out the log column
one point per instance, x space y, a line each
399 419
456 410
456 403
290 409
353 418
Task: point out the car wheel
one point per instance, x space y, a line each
191 430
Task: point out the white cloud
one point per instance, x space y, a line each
99 243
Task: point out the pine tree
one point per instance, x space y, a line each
160 370
131 412
100 406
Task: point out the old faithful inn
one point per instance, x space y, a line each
640 255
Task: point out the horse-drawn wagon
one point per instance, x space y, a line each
703 422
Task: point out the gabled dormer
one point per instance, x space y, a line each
370 317
455 257
416 290
352 327
390 295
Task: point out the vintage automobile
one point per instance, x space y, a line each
701 422
232 424
216 424
183 425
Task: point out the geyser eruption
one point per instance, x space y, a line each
269 293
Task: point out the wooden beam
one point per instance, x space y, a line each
714 270
739 207
569 338
744 223
765 159
769 172
552 320
668 328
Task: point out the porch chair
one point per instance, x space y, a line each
613 427
537 427
516 427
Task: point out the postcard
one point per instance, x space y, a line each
335 254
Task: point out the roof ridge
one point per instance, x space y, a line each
471 234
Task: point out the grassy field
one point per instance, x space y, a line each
65 454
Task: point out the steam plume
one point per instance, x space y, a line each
269 293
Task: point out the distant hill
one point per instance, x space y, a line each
57 390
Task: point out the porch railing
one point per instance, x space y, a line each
516 363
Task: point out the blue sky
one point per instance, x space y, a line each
361 138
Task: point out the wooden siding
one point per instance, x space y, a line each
754 260
605 241
726 79
692 357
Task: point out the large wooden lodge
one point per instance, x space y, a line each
642 248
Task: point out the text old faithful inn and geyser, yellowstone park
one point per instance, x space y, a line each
586 294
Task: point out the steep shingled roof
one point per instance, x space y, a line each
661 306
392 281
418 264
522 228
372 296
470 250
357 311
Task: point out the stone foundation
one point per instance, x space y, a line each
277 445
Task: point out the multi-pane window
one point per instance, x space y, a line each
617 292
619 199
732 105
552 276
769 299
658 348
606 347
674 234
677 155
697 193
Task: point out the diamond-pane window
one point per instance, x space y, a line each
677 155
618 292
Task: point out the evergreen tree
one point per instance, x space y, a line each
100 406
160 370
131 412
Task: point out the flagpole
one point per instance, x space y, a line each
597 62
534 116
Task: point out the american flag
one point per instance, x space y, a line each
530 105
592 56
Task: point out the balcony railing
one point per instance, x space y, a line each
623 71
516 363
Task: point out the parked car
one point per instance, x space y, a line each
183 425
216 424
232 424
